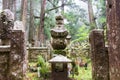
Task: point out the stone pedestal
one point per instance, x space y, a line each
59 65
4 62
59 75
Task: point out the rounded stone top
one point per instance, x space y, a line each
7 15
59 17
68 37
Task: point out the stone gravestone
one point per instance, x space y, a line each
18 55
99 54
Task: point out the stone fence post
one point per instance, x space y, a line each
99 55
18 55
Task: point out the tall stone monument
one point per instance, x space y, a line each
59 42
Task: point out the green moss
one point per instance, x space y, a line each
61 52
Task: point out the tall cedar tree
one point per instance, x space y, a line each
41 36
24 12
91 14
31 26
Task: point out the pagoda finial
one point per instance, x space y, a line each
59 20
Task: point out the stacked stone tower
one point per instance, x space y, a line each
59 42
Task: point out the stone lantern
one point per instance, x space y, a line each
59 67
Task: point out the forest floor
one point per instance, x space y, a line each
83 74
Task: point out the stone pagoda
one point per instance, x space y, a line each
60 39
59 34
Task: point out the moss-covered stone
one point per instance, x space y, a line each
60 52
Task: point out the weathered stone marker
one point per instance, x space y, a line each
113 27
100 69
18 62
6 26
18 55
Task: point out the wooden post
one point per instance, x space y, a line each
99 56
113 27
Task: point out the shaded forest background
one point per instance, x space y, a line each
38 17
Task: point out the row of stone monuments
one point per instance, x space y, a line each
13 55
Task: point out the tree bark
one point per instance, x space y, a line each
5 4
91 16
62 8
12 5
24 12
9 4
113 26
41 36
31 26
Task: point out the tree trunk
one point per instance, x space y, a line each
41 36
31 26
24 12
91 16
9 4
12 6
113 26
62 8
5 4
